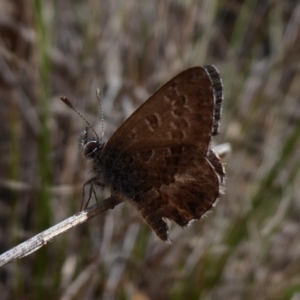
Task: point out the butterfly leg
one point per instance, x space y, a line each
92 188
93 181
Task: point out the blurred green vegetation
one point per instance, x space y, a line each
248 247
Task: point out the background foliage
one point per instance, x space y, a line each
248 248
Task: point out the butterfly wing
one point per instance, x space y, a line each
186 110
184 186
160 157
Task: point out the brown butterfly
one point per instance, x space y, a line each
160 158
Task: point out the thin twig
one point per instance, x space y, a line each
41 239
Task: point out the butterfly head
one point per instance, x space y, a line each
90 148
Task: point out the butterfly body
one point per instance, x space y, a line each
160 158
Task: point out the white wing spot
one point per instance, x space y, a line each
173 125
167 99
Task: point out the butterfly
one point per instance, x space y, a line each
160 159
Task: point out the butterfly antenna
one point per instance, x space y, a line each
98 94
69 104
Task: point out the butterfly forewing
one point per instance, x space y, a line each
160 158
179 112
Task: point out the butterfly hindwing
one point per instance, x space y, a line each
184 186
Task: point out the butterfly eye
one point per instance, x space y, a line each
91 149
